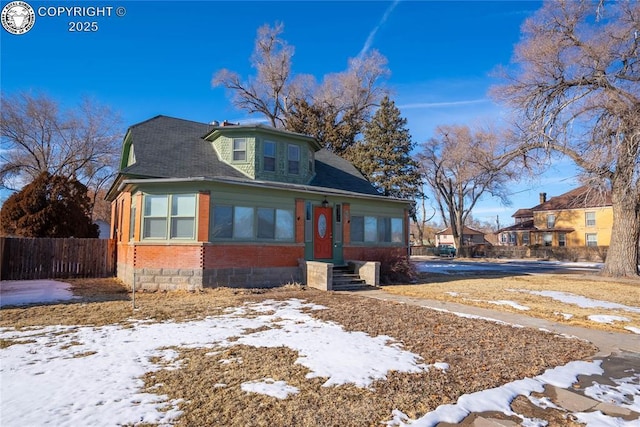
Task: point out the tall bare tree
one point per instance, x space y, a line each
575 88
334 110
36 136
460 165
269 91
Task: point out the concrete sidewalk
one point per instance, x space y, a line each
619 352
607 342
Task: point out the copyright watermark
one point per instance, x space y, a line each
18 17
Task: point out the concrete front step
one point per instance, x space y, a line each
344 279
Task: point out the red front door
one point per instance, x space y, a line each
322 233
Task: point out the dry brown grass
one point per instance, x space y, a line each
478 291
481 355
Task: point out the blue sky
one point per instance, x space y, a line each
160 56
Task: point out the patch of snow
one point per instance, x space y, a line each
579 300
453 294
566 316
626 392
633 329
510 304
605 318
598 419
23 292
97 380
499 399
269 387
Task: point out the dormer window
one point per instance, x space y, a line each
239 149
132 156
269 160
293 159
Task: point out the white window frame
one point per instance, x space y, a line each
590 222
239 151
562 239
551 221
591 242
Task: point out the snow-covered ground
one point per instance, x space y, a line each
67 376
21 292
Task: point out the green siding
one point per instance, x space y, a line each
224 148
253 166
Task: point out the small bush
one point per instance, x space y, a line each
396 269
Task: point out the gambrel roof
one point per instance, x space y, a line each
172 148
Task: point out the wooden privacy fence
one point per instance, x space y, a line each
43 258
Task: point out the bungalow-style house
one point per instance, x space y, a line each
470 237
580 217
204 205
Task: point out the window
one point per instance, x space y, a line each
249 223
223 222
242 222
512 239
337 231
310 161
132 156
132 219
370 229
397 230
592 239
183 215
308 228
269 160
284 224
504 238
160 222
551 221
384 229
525 238
547 238
376 229
590 219
357 228
239 149
562 239
293 157
155 216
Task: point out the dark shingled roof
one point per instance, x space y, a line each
167 147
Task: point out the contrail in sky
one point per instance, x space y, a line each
443 104
372 34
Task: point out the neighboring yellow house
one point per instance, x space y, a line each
580 217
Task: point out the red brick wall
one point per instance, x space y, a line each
252 255
168 256
363 253
204 205
346 223
300 217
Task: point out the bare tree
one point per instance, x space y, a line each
334 111
269 92
575 87
460 165
36 137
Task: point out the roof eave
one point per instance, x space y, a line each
261 184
